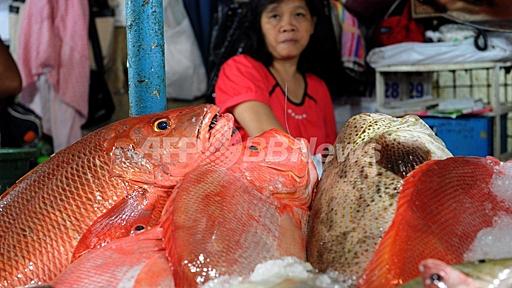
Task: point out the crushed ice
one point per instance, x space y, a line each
501 183
280 271
493 242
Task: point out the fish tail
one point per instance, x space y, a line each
439 213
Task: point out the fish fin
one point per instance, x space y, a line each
439 213
400 156
139 210
156 272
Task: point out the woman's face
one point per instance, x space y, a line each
286 28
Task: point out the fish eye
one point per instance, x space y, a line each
253 148
161 125
138 228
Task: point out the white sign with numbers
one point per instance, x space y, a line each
407 86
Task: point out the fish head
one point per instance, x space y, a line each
394 139
365 126
280 165
159 149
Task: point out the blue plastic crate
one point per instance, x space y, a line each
468 135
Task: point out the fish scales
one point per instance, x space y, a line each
135 261
443 207
49 216
44 215
223 221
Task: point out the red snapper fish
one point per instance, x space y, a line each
113 182
249 206
454 210
134 261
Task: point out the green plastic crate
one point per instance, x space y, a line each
14 163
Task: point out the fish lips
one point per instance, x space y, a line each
217 130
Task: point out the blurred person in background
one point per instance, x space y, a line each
10 79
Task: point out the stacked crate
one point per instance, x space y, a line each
405 89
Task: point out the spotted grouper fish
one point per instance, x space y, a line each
357 195
100 188
249 207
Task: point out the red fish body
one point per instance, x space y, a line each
442 207
224 219
43 216
134 261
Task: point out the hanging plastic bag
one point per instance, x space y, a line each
184 69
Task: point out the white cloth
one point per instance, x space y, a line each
53 58
317 160
4 21
120 11
59 119
500 49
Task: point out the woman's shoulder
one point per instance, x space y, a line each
314 80
316 84
244 61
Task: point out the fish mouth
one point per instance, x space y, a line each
216 123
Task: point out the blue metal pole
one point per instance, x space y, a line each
146 63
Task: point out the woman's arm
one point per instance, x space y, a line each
495 8
255 117
10 79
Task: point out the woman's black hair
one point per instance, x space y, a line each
256 46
